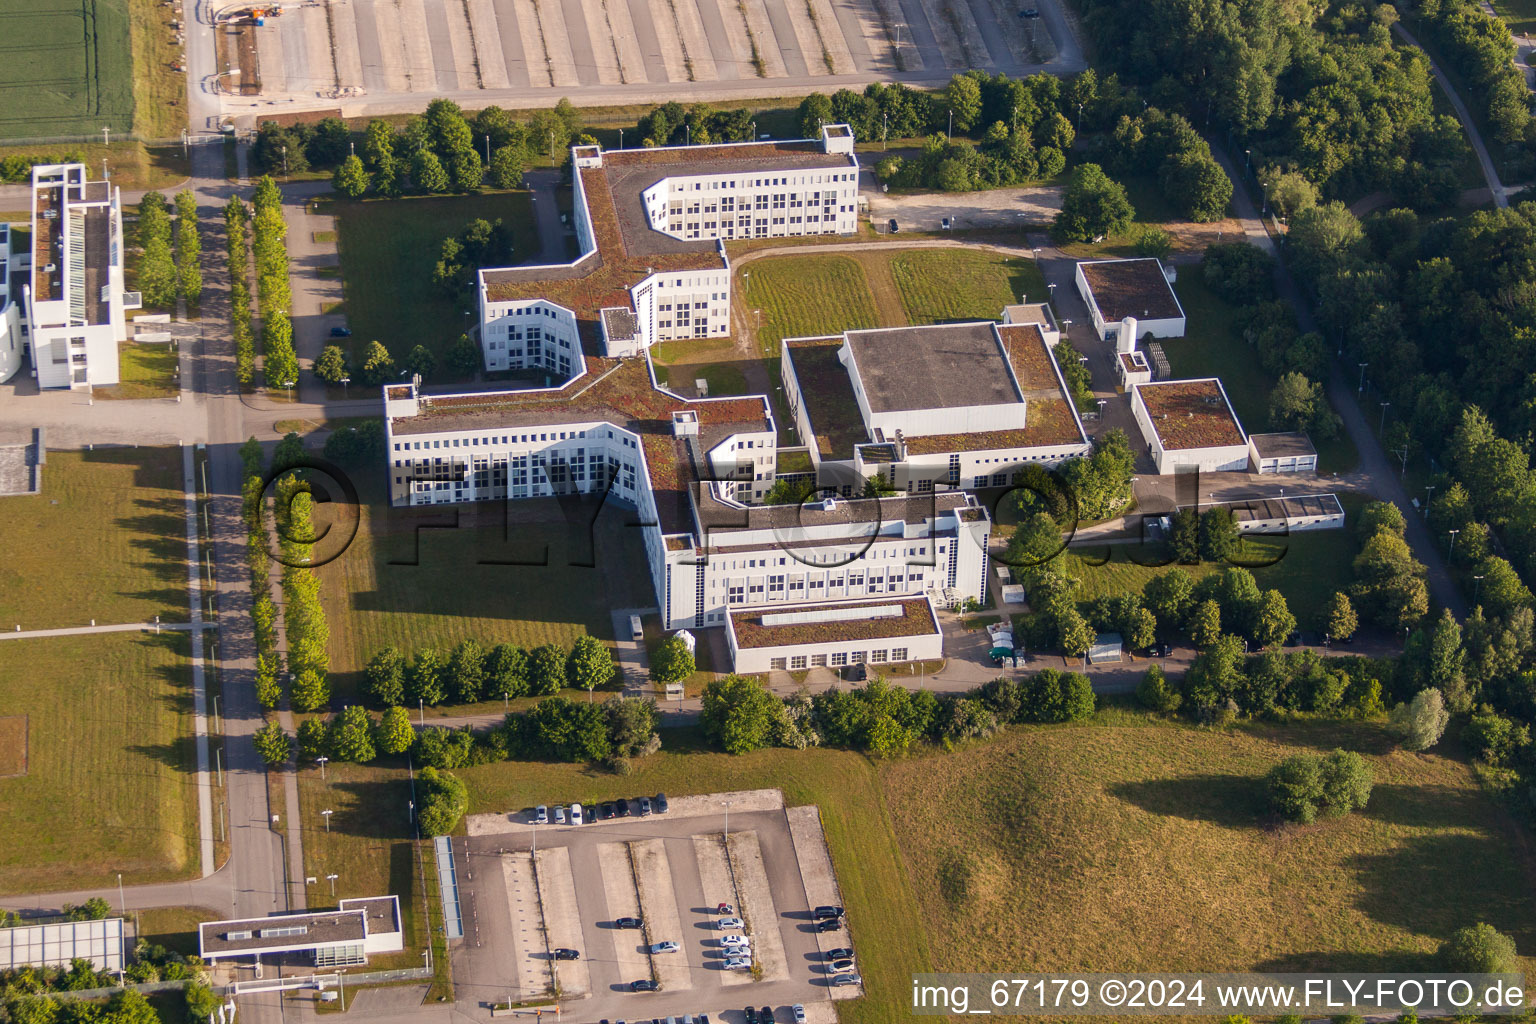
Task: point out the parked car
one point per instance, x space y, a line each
798 1011
738 963
621 808
751 1013
341 332
891 227
665 947
627 922
566 954
842 966
736 941
831 924
541 815
824 912
847 979
560 815
1029 12
729 922
605 811
841 953
576 818
645 807
724 908
643 985
661 803
765 1015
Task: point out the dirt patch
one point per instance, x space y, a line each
13 745
235 51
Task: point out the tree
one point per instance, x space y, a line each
1169 596
1154 693
591 664
350 177
506 167
632 726
201 1002
1196 185
963 98
1092 206
1073 632
1035 542
310 691
130 1007
314 740
378 143
1239 272
444 799
466 671
547 670
1346 781
1446 663
29 1009
273 745
815 111
672 661
281 364
378 365
428 173
189 247
506 671
1479 949
1218 533
1139 629
351 736
427 680
1290 193
1339 619
1295 788
464 357
739 714
420 362
465 169
1205 623
331 367
1494 738
394 735
1420 724
157 266
384 678
1377 516
1273 621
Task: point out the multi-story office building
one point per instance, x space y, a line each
651 224
13 341
75 300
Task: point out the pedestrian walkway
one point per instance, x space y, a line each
115 627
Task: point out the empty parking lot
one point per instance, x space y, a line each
671 870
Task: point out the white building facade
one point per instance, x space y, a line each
789 639
1140 289
1189 425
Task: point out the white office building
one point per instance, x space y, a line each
1189 425
13 338
75 302
1140 290
651 225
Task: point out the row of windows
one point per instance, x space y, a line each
838 659
475 442
799 587
803 179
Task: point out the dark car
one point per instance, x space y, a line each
566 954
824 912
605 811
643 985
765 1015
341 332
621 808
840 954
1029 12
751 1013
661 803
892 227
831 924
627 922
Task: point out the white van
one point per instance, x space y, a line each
636 633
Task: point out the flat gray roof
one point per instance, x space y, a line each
943 366
282 932
1282 445
56 944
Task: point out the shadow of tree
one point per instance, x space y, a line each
1231 801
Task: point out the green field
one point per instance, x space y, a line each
939 285
1139 846
144 371
105 540
68 68
453 592
806 296
108 784
388 249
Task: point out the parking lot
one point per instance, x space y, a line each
528 890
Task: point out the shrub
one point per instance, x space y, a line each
1479 949
1420 724
444 799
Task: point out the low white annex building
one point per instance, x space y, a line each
13 338
874 632
348 935
929 408
651 225
1141 289
75 299
1189 425
1287 452
59 943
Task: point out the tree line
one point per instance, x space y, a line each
470 672
304 619
269 691
275 300
237 248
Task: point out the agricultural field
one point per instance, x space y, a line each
939 285
108 783
388 249
1128 844
68 68
470 580
106 540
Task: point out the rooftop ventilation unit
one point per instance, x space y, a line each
829 504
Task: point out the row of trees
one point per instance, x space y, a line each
128 1006
471 672
157 263
237 221
1481 49
189 248
269 690
740 715
304 619
269 233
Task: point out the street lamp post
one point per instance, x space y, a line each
321 761
344 382
1382 429
122 901
1362 378
332 879
1476 586
1428 491
1452 551
951 129
326 814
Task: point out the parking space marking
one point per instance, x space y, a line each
418 46
694 41
621 27
461 43
667 35
619 888
562 916
757 904
349 61
532 970
658 905
601 40
715 878
493 66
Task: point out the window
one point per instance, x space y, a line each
776 663
898 654
819 660
877 657
840 658
797 661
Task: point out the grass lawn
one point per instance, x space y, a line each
1213 348
160 91
804 296
456 591
173 927
146 370
1131 845
888 932
1520 14
134 165
105 540
388 249
109 784
940 285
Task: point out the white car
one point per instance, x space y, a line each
541 815
575 814
560 815
799 1012
729 922
738 963
665 947
737 941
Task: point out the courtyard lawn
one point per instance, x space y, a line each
173 927
939 285
1133 845
109 782
467 580
1212 347
145 371
889 935
388 249
105 540
805 296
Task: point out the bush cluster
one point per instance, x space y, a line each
470 672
